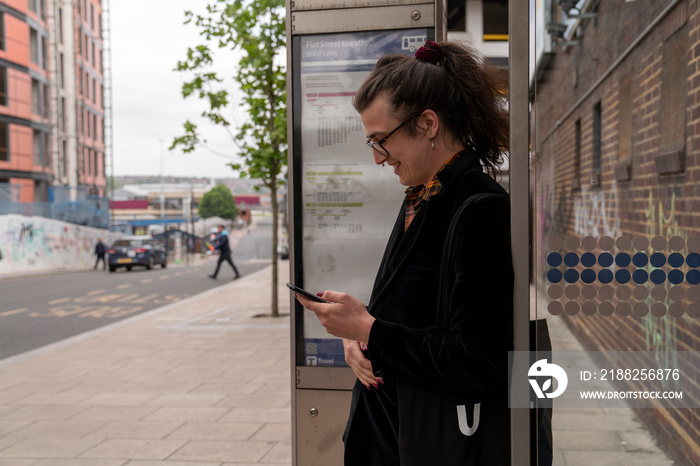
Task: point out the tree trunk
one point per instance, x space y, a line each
275 239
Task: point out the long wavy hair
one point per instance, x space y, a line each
468 94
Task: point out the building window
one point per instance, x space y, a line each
623 168
39 191
2 31
4 143
671 158
61 71
60 25
3 85
45 144
44 51
456 15
62 115
36 97
44 100
495 19
597 146
37 150
64 158
34 46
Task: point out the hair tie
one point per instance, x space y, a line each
430 52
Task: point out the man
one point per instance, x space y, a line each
100 253
224 253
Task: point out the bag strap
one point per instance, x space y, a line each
447 262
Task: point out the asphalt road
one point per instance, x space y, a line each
36 311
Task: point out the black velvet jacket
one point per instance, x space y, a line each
454 348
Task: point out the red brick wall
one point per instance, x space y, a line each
649 203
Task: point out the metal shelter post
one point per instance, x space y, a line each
519 53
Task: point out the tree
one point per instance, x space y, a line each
256 30
218 202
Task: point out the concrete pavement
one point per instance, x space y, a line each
205 382
202 381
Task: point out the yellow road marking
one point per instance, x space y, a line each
147 280
94 292
59 301
126 285
163 277
13 312
144 299
178 274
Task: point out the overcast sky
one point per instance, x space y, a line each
148 39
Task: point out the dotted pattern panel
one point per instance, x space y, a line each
624 276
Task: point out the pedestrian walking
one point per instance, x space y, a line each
100 251
430 350
221 243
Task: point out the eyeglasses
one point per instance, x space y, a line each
378 145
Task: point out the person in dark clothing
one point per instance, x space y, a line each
100 251
430 350
224 253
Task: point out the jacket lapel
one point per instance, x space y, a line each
401 244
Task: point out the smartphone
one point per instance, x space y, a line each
306 294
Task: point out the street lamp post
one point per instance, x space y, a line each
162 189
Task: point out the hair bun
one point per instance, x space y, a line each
430 52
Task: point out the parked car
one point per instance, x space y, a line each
283 251
129 251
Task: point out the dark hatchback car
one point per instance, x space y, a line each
136 250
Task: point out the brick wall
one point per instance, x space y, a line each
648 185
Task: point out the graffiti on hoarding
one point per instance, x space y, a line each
37 243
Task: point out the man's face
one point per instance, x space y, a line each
408 156
220 229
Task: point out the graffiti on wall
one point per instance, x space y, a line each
596 213
36 243
555 213
661 334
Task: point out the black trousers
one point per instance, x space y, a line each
101 257
227 258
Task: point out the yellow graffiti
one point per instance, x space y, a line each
661 333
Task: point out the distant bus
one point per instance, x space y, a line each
411 43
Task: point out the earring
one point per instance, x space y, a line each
383 164
432 144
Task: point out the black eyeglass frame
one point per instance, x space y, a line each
378 145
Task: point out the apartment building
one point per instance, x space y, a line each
51 99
